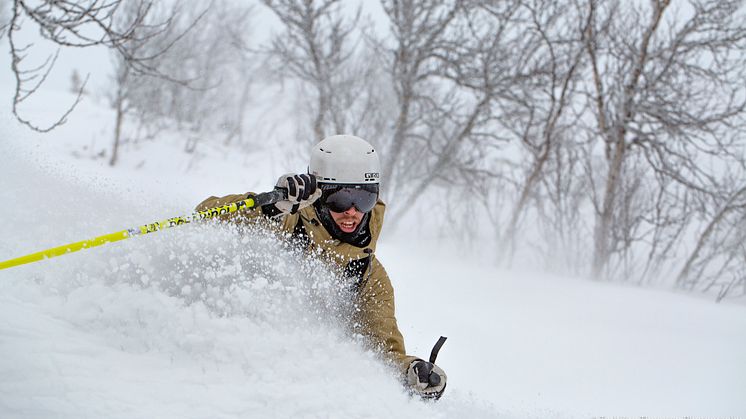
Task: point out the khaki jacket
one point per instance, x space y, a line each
375 294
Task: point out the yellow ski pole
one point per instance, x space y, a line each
250 202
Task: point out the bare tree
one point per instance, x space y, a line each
317 44
500 71
123 75
212 57
540 112
561 224
669 95
364 96
74 24
199 93
455 104
4 20
76 82
420 32
717 260
236 36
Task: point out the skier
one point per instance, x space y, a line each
334 208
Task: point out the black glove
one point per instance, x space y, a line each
426 379
302 192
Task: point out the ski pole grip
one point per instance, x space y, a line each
271 197
424 370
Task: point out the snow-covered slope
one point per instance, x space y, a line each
201 321
214 322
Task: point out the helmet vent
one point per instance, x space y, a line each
345 159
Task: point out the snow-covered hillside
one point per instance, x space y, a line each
207 321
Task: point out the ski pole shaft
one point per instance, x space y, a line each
250 202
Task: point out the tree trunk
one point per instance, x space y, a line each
509 237
318 123
705 236
397 145
601 250
117 130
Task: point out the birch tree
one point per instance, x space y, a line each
71 24
199 96
212 59
454 127
316 46
716 262
420 30
541 115
669 99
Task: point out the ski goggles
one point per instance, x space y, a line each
340 198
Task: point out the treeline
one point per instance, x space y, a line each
598 137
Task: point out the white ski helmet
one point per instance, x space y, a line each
345 159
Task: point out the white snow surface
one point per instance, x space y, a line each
213 321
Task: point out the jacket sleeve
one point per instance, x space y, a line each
376 304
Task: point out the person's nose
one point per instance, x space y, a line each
350 211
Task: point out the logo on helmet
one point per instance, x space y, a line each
371 175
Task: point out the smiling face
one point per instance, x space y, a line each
349 220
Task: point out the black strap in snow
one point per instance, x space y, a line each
356 270
436 349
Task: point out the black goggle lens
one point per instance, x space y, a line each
343 199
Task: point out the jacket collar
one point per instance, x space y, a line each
343 252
